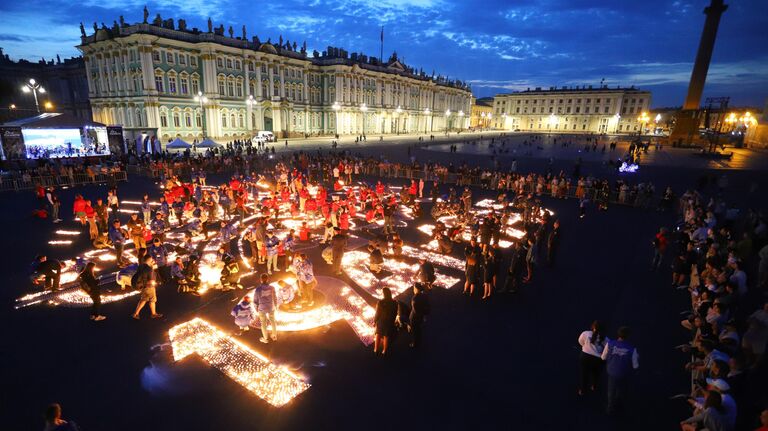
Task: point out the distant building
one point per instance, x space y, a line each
64 81
572 109
144 76
482 113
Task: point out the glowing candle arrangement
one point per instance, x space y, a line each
274 384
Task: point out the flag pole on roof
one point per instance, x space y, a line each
381 52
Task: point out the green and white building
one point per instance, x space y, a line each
145 77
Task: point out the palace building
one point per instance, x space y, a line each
573 109
146 77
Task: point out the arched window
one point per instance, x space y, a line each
172 83
241 120
231 87
184 84
223 119
163 119
232 123
188 120
198 118
239 88
176 120
195 84
139 118
159 81
222 86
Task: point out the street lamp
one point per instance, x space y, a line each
426 119
643 119
617 117
336 108
364 110
12 106
33 87
202 100
398 111
447 116
48 105
250 102
461 120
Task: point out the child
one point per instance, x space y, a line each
244 313
304 233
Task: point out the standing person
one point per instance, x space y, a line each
553 242
306 278
421 188
54 422
265 299
53 203
386 313
90 215
136 229
621 359
272 243
146 210
102 216
592 344
113 202
490 267
514 270
659 248
531 259
245 314
144 281
471 256
90 285
338 244
160 257
118 236
419 311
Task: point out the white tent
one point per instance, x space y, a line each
178 144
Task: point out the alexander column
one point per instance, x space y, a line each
687 124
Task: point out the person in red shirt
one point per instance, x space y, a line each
763 421
413 189
344 221
78 208
304 233
659 248
90 215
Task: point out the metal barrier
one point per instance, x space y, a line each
28 182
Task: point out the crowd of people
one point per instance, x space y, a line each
325 193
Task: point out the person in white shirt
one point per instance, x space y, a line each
592 343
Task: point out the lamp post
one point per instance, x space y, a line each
398 111
447 116
336 108
618 118
250 102
461 121
33 87
364 110
202 100
643 119
48 106
426 119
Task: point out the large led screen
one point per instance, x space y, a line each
56 143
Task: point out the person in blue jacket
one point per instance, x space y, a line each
621 360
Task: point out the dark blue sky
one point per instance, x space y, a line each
496 45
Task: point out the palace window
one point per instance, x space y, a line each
586 109
137 83
229 63
198 119
176 122
188 120
159 83
578 109
223 119
172 84
182 59
220 63
184 85
163 119
239 88
156 56
237 64
195 85
232 121
230 88
241 121
193 61
169 57
222 86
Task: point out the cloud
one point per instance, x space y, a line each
504 46
200 8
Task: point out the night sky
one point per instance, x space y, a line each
496 45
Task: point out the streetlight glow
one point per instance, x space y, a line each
33 87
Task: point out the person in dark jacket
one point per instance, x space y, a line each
51 269
419 311
490 267
386 313
426 273
144 281
118 236
90 285
621 360
553 242
515 269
